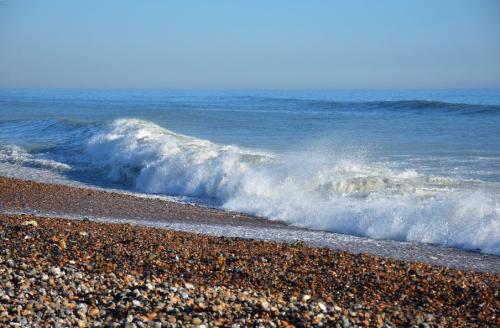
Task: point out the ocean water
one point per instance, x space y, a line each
418 166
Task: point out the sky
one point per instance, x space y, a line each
256 44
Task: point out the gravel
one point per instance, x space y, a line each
52 274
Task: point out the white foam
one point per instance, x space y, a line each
330 192
16 155
155 160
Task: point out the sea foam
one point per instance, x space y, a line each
333 192
16 155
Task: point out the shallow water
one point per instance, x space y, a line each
409 166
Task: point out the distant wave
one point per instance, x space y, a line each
412 104
417 105
340 193
429 104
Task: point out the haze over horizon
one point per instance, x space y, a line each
257 45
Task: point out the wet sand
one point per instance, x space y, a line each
44 197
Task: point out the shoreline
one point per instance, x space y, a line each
58 198
51 200
86 273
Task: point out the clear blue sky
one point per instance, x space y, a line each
250 44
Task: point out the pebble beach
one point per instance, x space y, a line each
60 272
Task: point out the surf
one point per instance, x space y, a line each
341 193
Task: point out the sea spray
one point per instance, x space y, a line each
338 193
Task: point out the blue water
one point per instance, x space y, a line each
404 165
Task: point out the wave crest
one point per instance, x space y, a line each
334 193
156 160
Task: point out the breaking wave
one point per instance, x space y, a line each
13 154
337 192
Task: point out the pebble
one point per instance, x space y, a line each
322 307
81 309
196 321
11 263
30 223
345 322
55 271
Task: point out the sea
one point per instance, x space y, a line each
405 165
